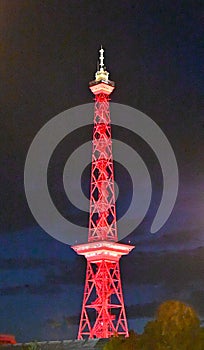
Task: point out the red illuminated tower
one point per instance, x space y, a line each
103 311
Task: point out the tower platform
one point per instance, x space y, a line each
95 251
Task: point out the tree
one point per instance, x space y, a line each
121 343
177 327
130 343
200 341
114 343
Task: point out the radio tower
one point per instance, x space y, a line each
103 311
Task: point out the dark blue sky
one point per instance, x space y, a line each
47 57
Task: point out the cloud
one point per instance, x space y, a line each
29 263
176 271
177 275
52 265
196 299
133 311
141 310
72 320
173 240
40 276
54 323
31 289
14 290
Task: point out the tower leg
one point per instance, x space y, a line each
103 312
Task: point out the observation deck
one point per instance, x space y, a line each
98 250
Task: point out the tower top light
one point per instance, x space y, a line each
101 82
101 74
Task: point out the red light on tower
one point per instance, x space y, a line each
103 311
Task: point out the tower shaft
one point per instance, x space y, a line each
103 311
102 220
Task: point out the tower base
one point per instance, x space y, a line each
103 311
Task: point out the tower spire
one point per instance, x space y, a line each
101 73
103 310
101 58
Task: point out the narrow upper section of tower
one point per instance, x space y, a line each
101 76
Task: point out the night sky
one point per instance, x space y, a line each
48 53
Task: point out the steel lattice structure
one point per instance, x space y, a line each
103 311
